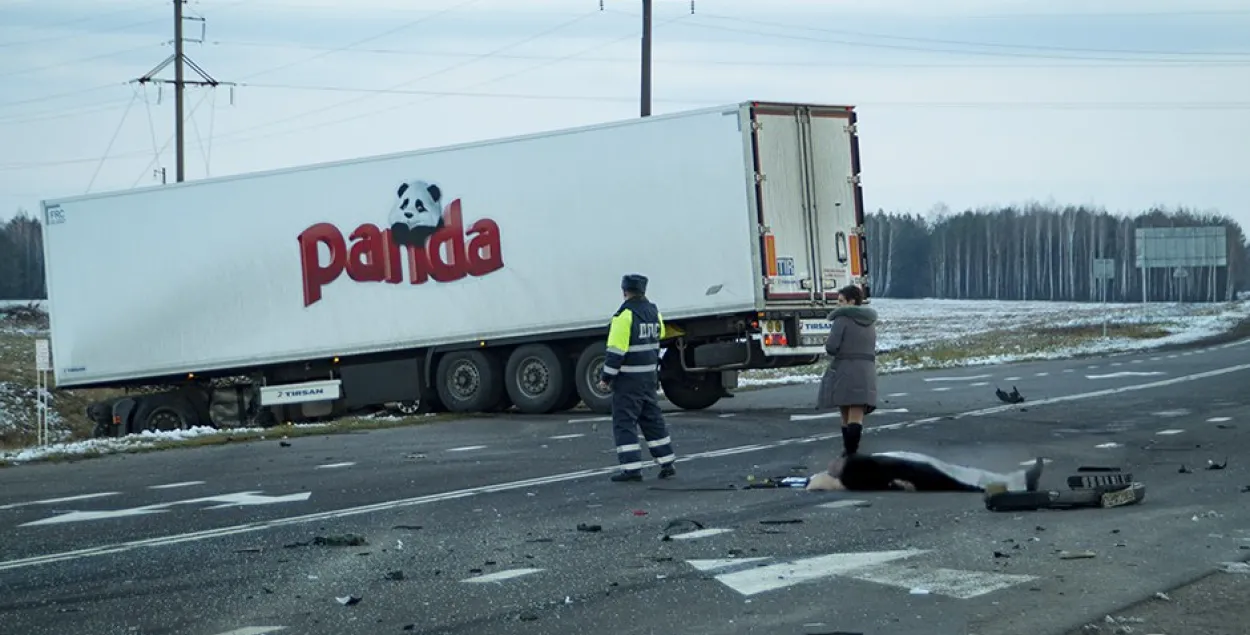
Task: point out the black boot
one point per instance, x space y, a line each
668 471
850 438
627 476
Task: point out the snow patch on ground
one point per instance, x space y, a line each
912 323
131 442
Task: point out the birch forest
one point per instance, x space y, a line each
1009 253
1040 253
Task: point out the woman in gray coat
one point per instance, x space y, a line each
850 382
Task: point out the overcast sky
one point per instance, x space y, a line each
1120 104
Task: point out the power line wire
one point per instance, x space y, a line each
408 82
62 114
452 93
901 38
78 35
1076 62
109 147
903 47
100 56
401 27
72 93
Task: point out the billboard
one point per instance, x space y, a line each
1168 247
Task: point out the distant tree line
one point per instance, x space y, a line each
21 259
1037 252
1009 253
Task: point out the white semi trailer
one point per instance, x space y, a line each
469 278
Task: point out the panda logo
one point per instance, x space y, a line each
416 214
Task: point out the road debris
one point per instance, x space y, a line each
345 540
1077 555
395 575
783 521
1212 465
349 600
583 527
285 444
1235 567
1162 596
679 526
1009 397
407 527
1184 470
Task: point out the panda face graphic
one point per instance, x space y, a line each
416 214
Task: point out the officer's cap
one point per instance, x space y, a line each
634 282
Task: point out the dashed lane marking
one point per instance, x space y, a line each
1180 412
173 485
331 466
964 378
567 436
942 389
844 503
813 417
1169 432
254 630
727 415
500 576
1042 374
1219 419
219 532
467 448
980 383
1104 446
897 394
63 499
1127 373
1030 462
886 411
701 533
1012 379
590 419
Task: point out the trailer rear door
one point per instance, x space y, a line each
808 197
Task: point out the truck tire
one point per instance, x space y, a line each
538 379
470 381
586 378
573 398
688 391
160 412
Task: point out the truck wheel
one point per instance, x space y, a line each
573 398
538 379
688 391
470 381
589 367
164 412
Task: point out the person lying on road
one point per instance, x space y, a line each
912 472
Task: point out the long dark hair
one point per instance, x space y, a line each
852 293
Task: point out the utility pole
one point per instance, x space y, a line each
646 58
179 60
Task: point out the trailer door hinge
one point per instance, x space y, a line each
756 125
853 179
851 129
760 177
763 229
858 230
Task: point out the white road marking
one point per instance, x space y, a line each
811 417
1136 361
467 448
954 583
779 576
1171 413
1041 374
1092 366
1127 373
886 411
1030 462
255 630
1219 419
1117 363
980 383
500 576
1169 432
590 419
244 499
967 378
63 499
567 436
727 415
942 389
701 533
1107 445
219 532
173 485
846 502
1172 356
1012 379
897 394
721 563
330 466
1069 370
1156 358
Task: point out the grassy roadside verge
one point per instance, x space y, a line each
1020 345
203 437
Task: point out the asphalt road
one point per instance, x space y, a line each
481 519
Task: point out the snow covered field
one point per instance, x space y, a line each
912 334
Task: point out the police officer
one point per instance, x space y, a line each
631 371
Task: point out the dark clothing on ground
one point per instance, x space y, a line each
875 472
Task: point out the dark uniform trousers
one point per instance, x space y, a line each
631 368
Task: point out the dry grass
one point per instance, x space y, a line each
1036 343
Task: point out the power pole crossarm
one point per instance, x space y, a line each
180 62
